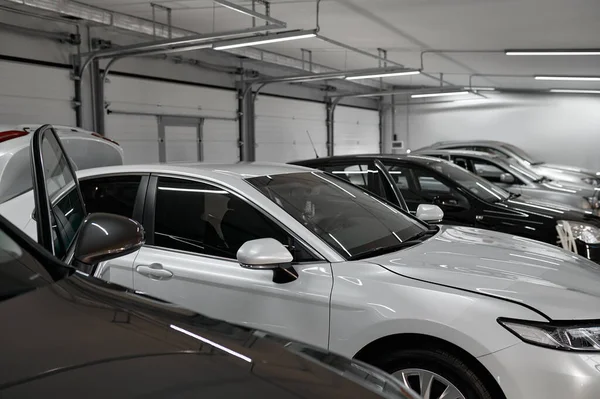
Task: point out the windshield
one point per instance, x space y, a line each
525 171
480 187
346 217
520 153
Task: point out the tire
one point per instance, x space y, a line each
417 363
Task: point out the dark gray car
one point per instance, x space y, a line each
519 179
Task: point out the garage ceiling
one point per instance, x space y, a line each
407 27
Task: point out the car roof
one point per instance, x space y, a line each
478 154
494 143
239 171
406 157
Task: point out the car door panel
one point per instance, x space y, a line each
222 288
180 266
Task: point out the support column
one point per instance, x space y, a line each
330 122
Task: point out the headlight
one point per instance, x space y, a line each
572 338
583 232
590 180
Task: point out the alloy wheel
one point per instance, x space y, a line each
429 384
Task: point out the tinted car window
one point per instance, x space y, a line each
349 219
198 217
19 271
114 194
487 170
68 213
364 176
481 188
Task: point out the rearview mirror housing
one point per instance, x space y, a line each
430 213
507 178
105 236
264 254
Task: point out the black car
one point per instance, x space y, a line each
67 334
466 199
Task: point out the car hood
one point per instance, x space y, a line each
568 168
83 337
550 210
558 283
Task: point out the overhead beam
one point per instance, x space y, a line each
250 13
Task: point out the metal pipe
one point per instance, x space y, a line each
59 36
163 46
357 50
395 92
123 112
251 13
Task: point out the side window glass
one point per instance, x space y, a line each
198 217
487 170
115 194
67 215
401 178
438 192
462 162
19 271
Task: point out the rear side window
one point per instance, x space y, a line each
115 194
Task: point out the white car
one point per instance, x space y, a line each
455 312
86 149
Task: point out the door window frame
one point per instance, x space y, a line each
150 210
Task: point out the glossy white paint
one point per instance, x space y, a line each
453 286
222 288
430 213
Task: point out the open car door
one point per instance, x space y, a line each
63 226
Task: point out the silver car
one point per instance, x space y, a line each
519 179
552 171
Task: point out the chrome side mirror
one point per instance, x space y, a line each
105 236
507 178
430 213
264 254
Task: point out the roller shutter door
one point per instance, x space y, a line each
281 129
356 131
134 104
35 94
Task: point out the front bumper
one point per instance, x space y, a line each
525 371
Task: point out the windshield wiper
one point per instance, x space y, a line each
409 242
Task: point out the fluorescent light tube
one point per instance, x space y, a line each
576 78
383 75
256 40
475 88
582 91
552 52
440 94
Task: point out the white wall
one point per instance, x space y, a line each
555 128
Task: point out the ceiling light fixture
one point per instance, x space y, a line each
383 75
570 78
582 91
480 88
266 39
553 52
440 94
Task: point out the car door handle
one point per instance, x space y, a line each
155 271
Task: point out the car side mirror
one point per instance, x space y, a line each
507 178
105 236
268 254
264 254
430 213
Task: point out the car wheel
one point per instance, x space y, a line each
434 374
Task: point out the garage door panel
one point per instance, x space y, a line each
356 131
220 141
145 96
35 94
282 126
137 135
